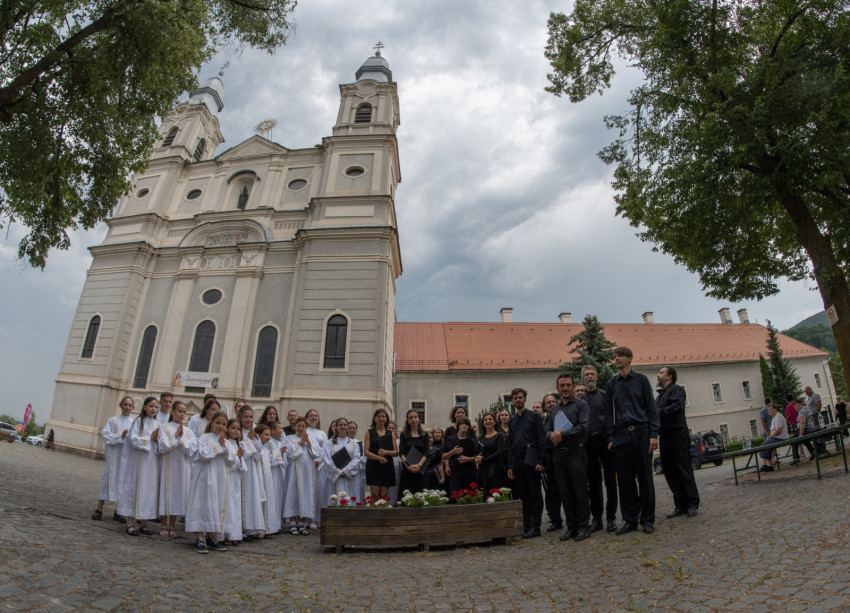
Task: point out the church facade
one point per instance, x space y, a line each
271 269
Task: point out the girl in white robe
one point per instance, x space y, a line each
278 461
359 480
114 434
271 506
299 504
319 438
253 483
341 481
177 445
233 514
137 495
198 423
206 514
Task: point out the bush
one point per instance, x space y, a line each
734 446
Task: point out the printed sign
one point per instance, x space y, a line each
832 316
188 378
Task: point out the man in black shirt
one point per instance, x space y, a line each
675 444
632 424
526 457
600 460
567 429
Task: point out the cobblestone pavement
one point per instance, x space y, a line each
742 553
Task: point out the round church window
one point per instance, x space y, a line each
195 193
354 171
297 184
143 192
211 297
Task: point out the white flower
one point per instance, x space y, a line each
343 495
334 496
491 499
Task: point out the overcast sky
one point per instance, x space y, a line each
503 201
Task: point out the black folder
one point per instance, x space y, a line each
414 456
341 458
385 442
469 447
531 456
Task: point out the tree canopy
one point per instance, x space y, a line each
81 85
591 348
733 154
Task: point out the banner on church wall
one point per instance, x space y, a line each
188 378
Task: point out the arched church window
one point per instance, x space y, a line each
91 337
169 139
143 367
363 113
202 350
199 150
335 337
264 364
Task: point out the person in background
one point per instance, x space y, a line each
778 432
764 418
793 428
291 418
163 416
503 419
580 390
675 444
808 424
51 441
269 415
841 412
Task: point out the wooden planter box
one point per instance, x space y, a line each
454 524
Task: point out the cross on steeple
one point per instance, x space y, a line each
378 48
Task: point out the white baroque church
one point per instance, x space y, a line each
274 268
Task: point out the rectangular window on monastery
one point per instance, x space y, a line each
419 407
724 433
818 384
463 401
506 398
754 428
748 393
716 393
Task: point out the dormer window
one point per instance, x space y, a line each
169 139
199 150
363 113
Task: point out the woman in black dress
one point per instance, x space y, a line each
450 448
380 472
413 473
493 453
462 464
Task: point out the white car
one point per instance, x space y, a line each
37 440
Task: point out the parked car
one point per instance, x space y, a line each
706 446
36 439
7 432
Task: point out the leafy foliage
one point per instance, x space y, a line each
591 347
817 336
785 380
766 378
732 156
836 367
80 87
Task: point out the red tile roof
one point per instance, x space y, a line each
511 346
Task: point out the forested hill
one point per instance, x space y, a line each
814 330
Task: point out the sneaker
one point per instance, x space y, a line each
215 545
200 546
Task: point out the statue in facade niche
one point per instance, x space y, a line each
243 199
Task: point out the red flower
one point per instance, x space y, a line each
359 504
387 499
473 485
354 498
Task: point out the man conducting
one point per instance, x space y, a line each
675 444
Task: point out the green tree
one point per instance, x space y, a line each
785 380
766 378
81 84
591 347
836 367
732 155
494 409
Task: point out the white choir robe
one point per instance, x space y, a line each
175 459
198 425
137 495
300 481
279 462
321 491
338 481
359 480
233 515
163 418
271 507
114 447
208 485
253 492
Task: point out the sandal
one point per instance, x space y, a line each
146 531
303 531
163 532
172 533
293 530
131 531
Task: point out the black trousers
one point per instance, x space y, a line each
552 498
571 472
526 487
675 448
600 463
634 475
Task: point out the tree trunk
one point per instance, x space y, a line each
830 277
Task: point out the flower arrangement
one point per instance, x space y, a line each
471 495
426 498
343 500
499 495
378 503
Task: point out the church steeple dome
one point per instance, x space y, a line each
211 93
375 68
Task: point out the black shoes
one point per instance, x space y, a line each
626 528
767 469
531 533
596 525
648 527
569 534
612 525
677 512
692 511
555 527
97 515
582 534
